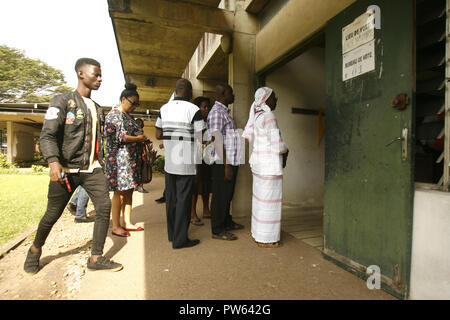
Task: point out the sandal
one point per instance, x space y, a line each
224 236
234 226
197 222
124 235
270 245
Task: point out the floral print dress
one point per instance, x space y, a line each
123 160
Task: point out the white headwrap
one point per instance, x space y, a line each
261 96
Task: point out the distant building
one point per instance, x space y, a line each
21 125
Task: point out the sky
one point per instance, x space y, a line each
59 32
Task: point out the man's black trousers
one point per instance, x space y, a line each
222 194
96 187
179 189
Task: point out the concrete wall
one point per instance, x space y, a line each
20 142
431 246
293 24
241 76
301 84
202 87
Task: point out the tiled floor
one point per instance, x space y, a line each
304 224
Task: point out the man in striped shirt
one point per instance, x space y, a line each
226 157
179 123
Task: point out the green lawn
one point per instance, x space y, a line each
23 200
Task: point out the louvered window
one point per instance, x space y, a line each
431 155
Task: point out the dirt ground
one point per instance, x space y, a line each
67 249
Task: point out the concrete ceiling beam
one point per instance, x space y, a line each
156 89
173 14
152 80
215 66
255 6
155 93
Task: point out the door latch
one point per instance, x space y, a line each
404 140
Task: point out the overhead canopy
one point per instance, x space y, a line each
157 38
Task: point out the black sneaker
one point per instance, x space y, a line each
104 264
31 265
72 208
84 220
161 200
141 189
188 244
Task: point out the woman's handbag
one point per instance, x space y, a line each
148 157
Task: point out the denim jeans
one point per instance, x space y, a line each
80 200
96 187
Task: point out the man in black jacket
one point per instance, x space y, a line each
71 142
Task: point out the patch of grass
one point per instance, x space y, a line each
23 200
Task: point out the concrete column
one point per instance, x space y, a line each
9 141
241 77
20 140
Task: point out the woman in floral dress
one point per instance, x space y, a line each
123 161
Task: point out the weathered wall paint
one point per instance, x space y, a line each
293 24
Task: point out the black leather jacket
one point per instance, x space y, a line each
66 133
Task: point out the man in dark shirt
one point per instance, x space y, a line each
70 137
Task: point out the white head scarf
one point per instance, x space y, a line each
261 96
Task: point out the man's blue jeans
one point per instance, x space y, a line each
80 199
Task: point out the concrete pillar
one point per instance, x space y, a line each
241 77
20 141
9 141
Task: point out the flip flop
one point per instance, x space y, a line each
124 235
136 229
197 222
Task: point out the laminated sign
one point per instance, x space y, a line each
358 46
359 61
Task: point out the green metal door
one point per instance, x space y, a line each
369 186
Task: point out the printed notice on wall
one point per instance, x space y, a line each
359 61
361 31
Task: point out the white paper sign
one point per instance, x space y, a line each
361 31
359 61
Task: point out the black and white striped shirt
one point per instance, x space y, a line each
182 124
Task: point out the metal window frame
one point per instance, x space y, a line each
445 185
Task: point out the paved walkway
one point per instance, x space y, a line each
215 269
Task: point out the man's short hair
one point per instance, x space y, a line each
182 85
86 61
221 88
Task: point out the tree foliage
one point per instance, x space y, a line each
23 79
